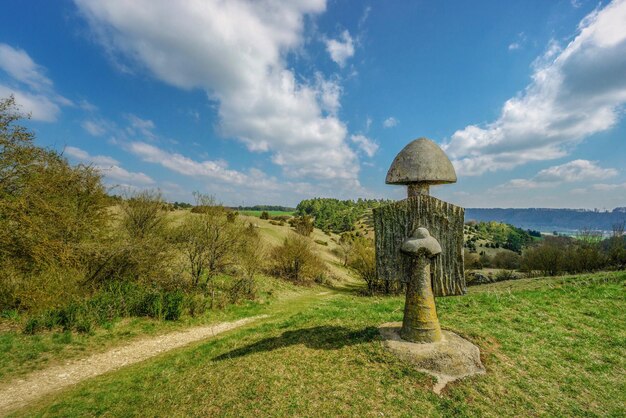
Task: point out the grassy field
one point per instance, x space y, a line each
552 347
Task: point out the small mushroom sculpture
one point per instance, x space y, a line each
420 323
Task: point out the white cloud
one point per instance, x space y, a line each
110 168
139 126
577 170
368 146
20 66
183 165
573 171
329 92
32 89
95 127
341 49
40 107
236 51
603 187
390 122
576 92
521 40
253 185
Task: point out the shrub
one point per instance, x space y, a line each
295 260
506 260
264 215
115 300
303 225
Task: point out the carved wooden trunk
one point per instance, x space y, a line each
395 222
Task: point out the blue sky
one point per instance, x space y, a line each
260 102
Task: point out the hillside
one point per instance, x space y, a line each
549 220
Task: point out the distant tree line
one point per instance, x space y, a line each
336 215
270 208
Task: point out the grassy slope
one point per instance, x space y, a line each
552 347
20 354
258 213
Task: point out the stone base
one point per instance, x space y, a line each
450 359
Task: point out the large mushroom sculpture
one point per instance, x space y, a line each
419 165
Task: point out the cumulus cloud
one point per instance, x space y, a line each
340 50
32 89
576 91
390 122
573 171
236 51
368 146
109 167
177 162
577 170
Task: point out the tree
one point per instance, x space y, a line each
209 239
617 250
547 257
251 257
363 262
47 207
346 245
50 213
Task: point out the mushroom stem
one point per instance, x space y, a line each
416 189
420 323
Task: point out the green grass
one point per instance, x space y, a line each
258 213
552 347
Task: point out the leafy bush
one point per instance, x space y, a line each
506 260
303 225
296 260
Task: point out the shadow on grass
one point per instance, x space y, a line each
319 338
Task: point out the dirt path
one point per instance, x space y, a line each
20 392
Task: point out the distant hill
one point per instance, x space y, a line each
548 220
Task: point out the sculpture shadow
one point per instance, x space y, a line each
319 338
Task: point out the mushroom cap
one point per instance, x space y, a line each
421 161
421 242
